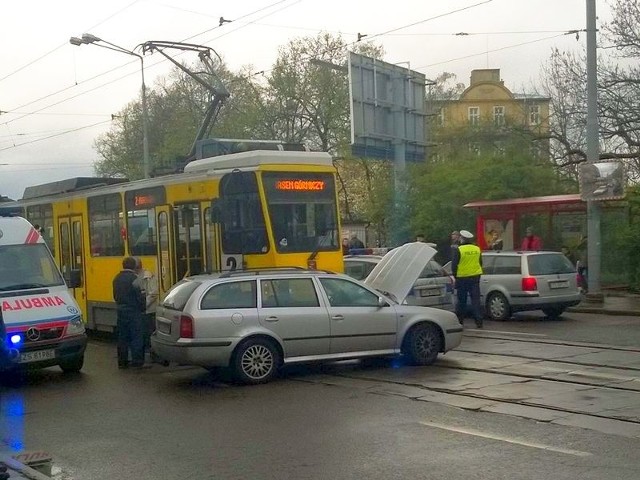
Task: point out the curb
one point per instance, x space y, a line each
605 311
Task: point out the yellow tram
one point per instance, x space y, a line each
251 209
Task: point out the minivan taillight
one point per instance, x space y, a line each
186 326
529 284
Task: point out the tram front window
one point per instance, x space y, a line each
302 207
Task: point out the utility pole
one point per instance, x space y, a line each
594 246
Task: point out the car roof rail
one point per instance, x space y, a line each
270 270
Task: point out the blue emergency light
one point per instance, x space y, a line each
15 339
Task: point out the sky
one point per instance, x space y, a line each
57 98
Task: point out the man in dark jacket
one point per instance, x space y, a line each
130 300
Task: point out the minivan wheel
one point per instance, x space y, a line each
424 344
73 364
498 307
553 313
256 361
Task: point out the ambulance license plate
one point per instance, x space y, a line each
37 355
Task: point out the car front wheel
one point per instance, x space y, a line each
498 307
256 361
424 344
73 364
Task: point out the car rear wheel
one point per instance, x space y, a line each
498 307
73 364
553 313
256 361
424 344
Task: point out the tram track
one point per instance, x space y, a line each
543 378
540 387
517 337
471 395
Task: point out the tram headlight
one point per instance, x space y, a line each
76 326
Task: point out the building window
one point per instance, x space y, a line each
498 116
474 115
534 115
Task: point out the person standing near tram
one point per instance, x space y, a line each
130 301
148 284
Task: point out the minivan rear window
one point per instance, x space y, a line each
549 264
179 295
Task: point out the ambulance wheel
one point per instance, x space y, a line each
73 364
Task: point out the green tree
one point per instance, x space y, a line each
564 81
439 190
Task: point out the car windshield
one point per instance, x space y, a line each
549 264
27 266
433 270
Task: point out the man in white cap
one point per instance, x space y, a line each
467 269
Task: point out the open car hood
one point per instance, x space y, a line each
400 268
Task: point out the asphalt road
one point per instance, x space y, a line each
349 421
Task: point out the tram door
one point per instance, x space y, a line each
189 240
72 255
166 257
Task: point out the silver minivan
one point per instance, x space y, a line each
524 281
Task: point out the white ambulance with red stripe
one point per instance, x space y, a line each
41 323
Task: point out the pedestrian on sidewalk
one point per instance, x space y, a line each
131 303
466 267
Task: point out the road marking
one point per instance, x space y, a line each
476 433
513 333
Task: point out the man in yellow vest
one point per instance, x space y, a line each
467 269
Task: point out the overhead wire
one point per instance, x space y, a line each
56 135
255 21
494 50
31 62
131 62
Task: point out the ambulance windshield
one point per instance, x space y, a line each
27 266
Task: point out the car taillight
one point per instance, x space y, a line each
186 326
529 284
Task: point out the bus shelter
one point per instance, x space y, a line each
561 223
509 218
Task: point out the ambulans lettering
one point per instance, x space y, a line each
28 303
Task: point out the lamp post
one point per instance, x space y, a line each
88 39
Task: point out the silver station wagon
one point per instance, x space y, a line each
256 321
524 281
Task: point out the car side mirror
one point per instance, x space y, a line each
382 302
75 279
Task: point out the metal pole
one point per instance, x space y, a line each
400 220
145 125
88 39
593 207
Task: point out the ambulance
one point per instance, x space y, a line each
40 322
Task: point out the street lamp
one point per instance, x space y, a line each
88 39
